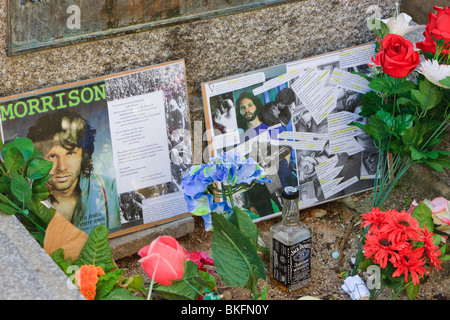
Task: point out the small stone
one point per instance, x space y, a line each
309 298
335 255
317 213
226 295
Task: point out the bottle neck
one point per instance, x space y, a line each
290 214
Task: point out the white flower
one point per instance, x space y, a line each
400 25
435 72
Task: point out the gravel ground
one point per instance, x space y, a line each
329 223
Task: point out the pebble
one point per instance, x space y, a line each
317 213
335 255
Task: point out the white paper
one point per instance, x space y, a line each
139 140
303 140
217 88
342 136
356 288
349 81
356 56
272 83
327 172
163 207
319 99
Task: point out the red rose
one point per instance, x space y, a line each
438 27
397 56
163 259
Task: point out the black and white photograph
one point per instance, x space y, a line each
156 99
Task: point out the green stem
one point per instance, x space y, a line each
230 195
153 281
193 288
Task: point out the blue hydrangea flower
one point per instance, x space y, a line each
222 208
207 221
228 169
195 181
200 204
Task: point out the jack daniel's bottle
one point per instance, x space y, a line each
290 247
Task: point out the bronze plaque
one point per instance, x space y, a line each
40 24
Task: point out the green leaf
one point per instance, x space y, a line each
419 97
429 95
405 86
404 101
25 146
8 209
422 213
13 159
40 192
376 128
386 117
44 213
416 155
245 224
20 188
438 164
121 294
445 82
96 250
414 135
58 257
186 288
381 85
378 27
107 282
371 103
5 184
235 258
412 290
134 283
209 279
38 168
402 123
445 258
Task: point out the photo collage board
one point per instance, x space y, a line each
124 139
293 119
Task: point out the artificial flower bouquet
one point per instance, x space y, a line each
209 191
220 179
407 109
404 247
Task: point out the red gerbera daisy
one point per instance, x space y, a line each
381 249
401 227
410 261
374 218
431 250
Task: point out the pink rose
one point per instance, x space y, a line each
440 210
163 260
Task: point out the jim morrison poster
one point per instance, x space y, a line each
293 119
120 145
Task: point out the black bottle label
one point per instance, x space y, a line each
292 264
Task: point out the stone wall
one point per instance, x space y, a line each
419 9
212 48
